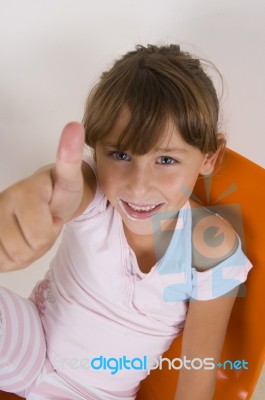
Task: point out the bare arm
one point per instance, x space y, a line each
206 322
34 210
203 337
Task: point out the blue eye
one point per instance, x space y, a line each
166 160
119 156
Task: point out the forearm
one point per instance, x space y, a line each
195 384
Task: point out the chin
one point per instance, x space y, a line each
140 227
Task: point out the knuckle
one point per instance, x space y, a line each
39 243
39 240
22 259
19 257
20 192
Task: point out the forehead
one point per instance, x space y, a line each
170 136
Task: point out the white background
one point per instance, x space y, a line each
53 51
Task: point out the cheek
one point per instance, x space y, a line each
107 181
181 183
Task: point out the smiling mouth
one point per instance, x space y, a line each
137 211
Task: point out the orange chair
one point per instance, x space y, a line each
237 192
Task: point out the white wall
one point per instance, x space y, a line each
52 52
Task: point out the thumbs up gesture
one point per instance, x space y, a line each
33 211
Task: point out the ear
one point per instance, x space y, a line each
210 159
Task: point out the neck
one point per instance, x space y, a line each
155 243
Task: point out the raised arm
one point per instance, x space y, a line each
34 210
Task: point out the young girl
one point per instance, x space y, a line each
137 264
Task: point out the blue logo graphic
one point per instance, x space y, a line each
209 244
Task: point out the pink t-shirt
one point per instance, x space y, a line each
97 307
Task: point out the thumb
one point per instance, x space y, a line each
67 174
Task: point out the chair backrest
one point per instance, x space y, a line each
237 192
8 396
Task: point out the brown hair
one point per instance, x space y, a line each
156 83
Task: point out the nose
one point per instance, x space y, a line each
139 181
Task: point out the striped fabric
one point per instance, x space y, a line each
24 370
22 342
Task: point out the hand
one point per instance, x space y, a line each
33 211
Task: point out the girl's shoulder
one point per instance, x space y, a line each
213 238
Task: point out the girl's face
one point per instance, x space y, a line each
160 181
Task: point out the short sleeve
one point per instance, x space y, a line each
217 281
99 202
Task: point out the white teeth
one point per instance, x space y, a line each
138 208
